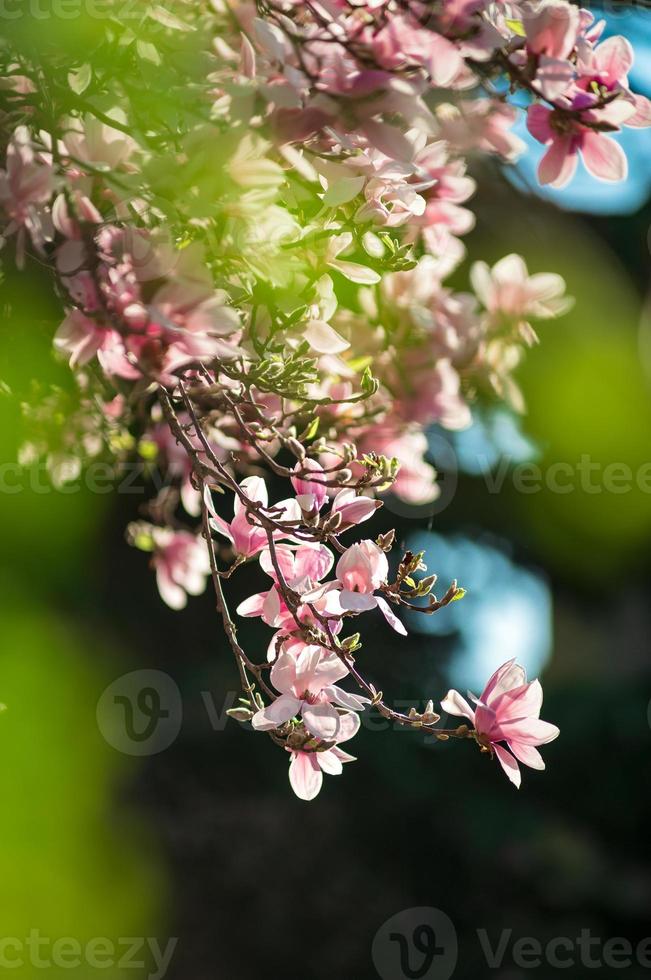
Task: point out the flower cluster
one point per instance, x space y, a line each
253 277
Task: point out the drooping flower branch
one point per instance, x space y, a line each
251 268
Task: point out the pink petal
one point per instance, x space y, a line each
529 731
171 593
323 338
357 601
454 704
252 606
527 755
322 720
283 673
280 711
329 762
538 123
313 562
354 702
642 117
559 163
508 764
348 727
390 616
505 678
388 140
520 702
614 57
305 776
218 524
284 555
603 157
444 59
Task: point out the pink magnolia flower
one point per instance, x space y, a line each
606 68
565 136
302 568
509 293
308 765
307 685
361 570
507 711
181 562
390 202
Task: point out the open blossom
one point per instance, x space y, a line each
181 562
605 68
302 568
307 765
507 711
569 130
511 295
361 571
308 688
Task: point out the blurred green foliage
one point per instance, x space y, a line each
74 865
588 399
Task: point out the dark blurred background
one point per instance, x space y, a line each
204 841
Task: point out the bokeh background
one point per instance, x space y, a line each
204 841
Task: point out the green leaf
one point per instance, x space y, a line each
148 52
368 381
311 430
